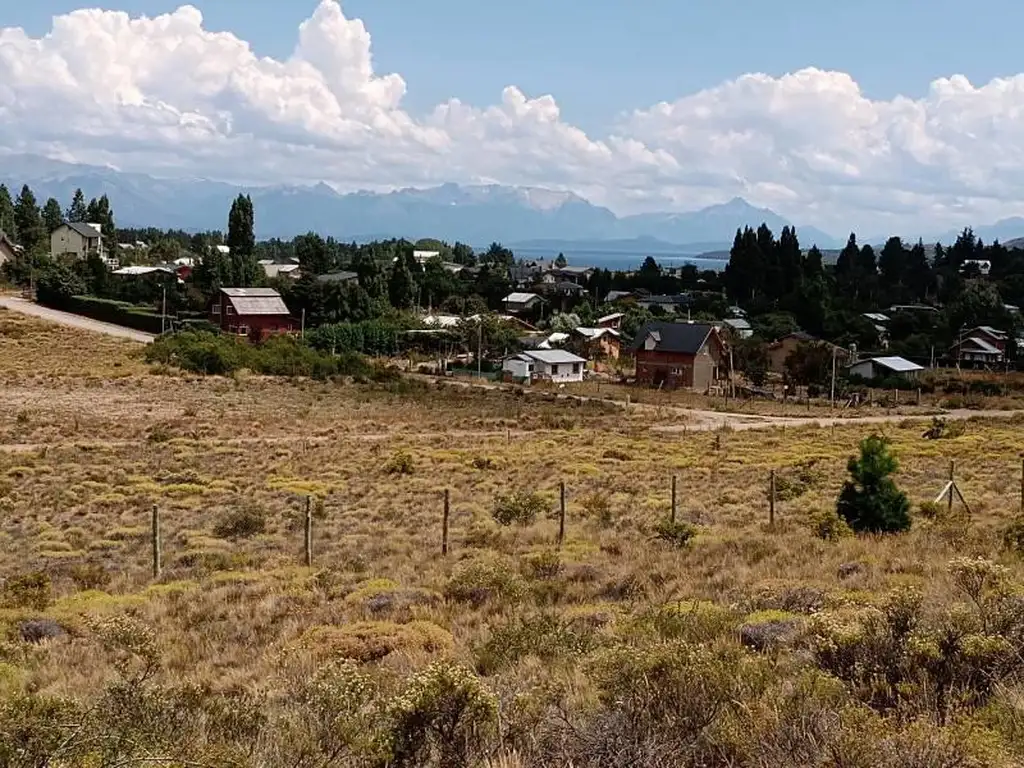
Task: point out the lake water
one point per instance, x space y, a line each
621 260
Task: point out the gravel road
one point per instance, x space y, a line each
18 304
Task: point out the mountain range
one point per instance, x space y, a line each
529 217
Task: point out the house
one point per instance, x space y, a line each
666 303
338 277
224 250
614 296
563 288
598 342
885 367
141 271
555 365
975 350
8 250
569 274
77 240
982 267
779 350
738 327
613 321
518 302
670 355
993 336
272 270
553 341
422 257
244 310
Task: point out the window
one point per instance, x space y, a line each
575 367
554 370
243 330
230 310
216 309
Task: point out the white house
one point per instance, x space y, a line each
885 367
554 364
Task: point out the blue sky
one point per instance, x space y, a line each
655 105
601 57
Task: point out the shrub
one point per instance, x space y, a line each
769 630
241 524
442 717
1013 536
870 500
547 637
481 581
400 464
521 507
598 505
369 641
28 590
828 525
38 630
90 576
677 533
930 510
543 566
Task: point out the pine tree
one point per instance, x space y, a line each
870 501
892 263
53 216
28 221
401 286
77 210
242 242
7 220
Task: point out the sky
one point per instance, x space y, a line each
876 116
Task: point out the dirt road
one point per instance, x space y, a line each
18 304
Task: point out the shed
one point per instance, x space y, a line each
885 367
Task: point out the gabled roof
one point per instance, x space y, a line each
596 333
896 364
612 316
982 345
337 277
995 333
682 338
553 356
85 230
256 301
518 297
738 323
878 317
274 270
616 295
142 270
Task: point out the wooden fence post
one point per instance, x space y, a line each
771 499
309 532
1022 486
561 513
444 522
157 554
952 472
673 498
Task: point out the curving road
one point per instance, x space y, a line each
18 304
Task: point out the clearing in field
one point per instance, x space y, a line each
635 643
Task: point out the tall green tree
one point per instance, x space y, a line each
28 220
918 272
8 224
77 211
99 212
892 265
242 242
53 215
401 286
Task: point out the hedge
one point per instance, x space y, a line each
115 312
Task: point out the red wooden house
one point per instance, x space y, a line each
247 311
672 355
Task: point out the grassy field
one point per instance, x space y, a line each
749 646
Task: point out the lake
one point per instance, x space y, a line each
621 260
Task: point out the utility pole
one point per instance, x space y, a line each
479 347
163 313
832 398
302 329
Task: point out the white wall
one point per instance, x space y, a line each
519 369
562 372
865 369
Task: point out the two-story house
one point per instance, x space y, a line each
672 355
77 240
247 310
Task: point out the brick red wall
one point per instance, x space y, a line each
653 367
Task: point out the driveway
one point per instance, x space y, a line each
18 304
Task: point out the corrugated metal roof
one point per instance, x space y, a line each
983 345
256 301
684 338
141 270
898 364
878 317
554 356
520 298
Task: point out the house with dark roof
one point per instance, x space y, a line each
77 240
981 346
341 276
673 355
250 311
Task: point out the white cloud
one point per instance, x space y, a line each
165 95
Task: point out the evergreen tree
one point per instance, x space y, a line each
241 241
7 219
463 254
28 220
401 286
918 272
892 264
870 501
561 261
312 253
814 266
790 260
847 268
53 216
99 212
77 210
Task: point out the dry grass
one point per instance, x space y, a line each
91 441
